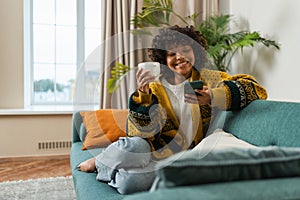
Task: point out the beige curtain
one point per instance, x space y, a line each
209 7
188 7
118 46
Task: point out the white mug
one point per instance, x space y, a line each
153 67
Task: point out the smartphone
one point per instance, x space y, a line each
189 87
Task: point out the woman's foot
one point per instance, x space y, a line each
88 165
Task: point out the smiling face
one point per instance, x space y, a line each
180 60
174 49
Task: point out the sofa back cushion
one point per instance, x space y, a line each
205 166
263 123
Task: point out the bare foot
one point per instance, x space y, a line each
88 165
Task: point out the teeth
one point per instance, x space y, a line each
182 63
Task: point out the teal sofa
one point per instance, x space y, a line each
262 123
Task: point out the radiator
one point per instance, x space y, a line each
54 145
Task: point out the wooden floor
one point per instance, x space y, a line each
34 167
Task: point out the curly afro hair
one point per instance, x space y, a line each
173 36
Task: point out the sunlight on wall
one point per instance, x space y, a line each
277 71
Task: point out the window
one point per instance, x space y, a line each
59 36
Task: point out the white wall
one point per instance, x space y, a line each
277 71
11 54
20 134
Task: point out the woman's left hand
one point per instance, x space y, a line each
204 98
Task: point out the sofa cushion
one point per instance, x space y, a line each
263 123
221 139
230 164
265 189
85 184
102 127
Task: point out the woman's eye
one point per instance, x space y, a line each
186 50
171 54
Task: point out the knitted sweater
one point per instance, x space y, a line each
151 115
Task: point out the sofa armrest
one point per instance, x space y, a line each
76 124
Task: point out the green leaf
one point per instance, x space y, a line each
118 72
155 13
111 85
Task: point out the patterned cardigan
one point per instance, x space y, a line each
151 115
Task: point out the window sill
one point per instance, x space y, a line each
45 110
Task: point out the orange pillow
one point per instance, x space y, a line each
103 127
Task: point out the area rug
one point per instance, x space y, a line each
60 188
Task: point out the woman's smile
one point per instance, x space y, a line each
182 64
180 60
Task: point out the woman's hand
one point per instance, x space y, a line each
204 98
143 79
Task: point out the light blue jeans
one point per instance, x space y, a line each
126 165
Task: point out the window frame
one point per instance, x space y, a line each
28 52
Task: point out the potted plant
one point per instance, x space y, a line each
223 45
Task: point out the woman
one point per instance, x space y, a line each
162 119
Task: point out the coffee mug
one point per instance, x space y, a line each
153 67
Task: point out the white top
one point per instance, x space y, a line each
182 110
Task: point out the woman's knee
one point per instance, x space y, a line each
133 144
127 152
